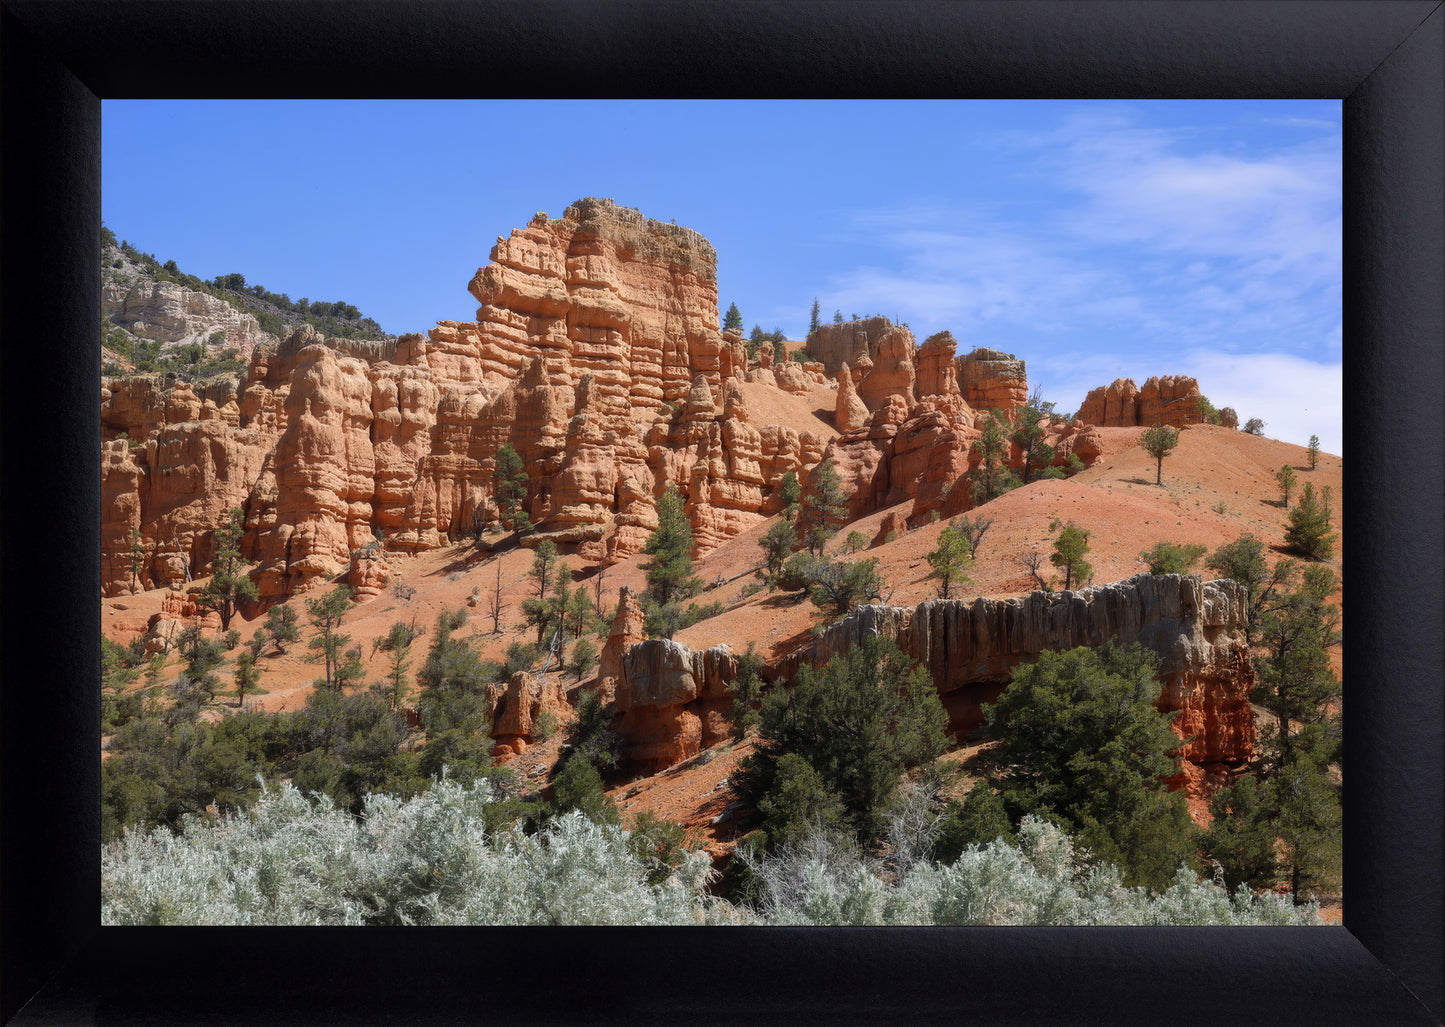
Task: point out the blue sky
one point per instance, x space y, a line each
1093 239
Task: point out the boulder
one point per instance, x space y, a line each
849 413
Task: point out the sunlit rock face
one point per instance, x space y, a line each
1166 399
595 355
664 690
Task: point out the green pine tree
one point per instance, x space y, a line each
669 575
1070 548
992 478
509 481
951 559
229 586
823 509
1080 738
1309 525
326 613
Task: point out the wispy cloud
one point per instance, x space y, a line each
1296 397
1147 236
1138 251
1310 123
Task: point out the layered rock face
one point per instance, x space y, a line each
595 356
607 292
139 405
1197 629
671 702
178 316
993 380
1171 400
517 707
833 345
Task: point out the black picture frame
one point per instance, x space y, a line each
1385 60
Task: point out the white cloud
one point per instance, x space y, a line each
1295 397
1139 252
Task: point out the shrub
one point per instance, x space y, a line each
521 656
836 587
591 736
432 860
579 787
1172 558
428 861
858 723
657 845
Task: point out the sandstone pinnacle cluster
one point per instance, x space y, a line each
1171 400
596 355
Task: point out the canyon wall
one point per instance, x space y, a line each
595 355
1196 628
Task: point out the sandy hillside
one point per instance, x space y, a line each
1218 484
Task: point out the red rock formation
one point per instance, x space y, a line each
588 325
178 612
792 376
938 372
850 413
583 488
893 373
1112 406
140 405
627 631
1196 628
833 345
325 472
629 300
517 706
671 702
993 380
1171 400
368 574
